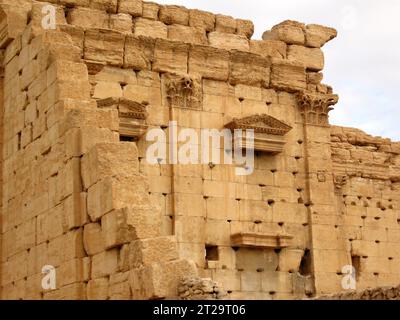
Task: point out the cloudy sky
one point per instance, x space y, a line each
362 63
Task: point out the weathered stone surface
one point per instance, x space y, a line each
317 35
313 59
139 52
150 28
228 41
187 34
202 19
174 15
210 63
288 75
170 56
269 48
290 32
245 28
133 7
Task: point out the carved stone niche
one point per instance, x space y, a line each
261 240
315 107
183 91
268 133
132 116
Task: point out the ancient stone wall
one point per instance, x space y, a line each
80 195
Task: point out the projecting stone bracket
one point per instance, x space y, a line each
268 133
132 116
261 240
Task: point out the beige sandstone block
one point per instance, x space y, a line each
133 7
312 58
290 32
249 69
150 28
116 193
228 41
104 5
75 291
269 48
170 57
121 22
97 289
317 35
150 251
104 263
103 118
160 280
75 211
120 291
88 18
245 28
174 15
150 10
210 63
116 230
93 239
289 260
225 24
108 160
106 89
139 52
187 34
105 46
287 75
202 19
72 271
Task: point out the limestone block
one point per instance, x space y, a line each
77 34
79 141
317 35
160 280
228 41
245 28
150 10
69 180
121 22
174 15
149 251
139 52
116 193
290 32
75 291
170 57
97 289
71 272
202 19
93 239
120 291
104 5
290 76
109 159
115 228
249 69
269 48
75 211
312 58
185 34
210 63
150 28
289 260
133 7
106 89
88 18
104 263
105 46
225 24
189 204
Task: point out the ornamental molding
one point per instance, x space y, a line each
183 91
315 107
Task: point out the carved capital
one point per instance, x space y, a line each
183 91
315 107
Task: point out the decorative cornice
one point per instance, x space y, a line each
260 124
261 240
315 107
132 115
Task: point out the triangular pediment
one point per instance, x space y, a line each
260 124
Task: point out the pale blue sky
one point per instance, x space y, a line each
362 63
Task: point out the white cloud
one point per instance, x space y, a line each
362 64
